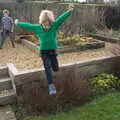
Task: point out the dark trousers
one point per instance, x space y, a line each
49 58
4 35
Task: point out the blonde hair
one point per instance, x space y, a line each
6 11
46 15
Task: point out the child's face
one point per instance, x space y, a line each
6 14
46 24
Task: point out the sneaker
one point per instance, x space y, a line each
52 89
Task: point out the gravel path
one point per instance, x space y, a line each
6 113
24 58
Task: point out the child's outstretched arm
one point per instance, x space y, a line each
25 25
63 16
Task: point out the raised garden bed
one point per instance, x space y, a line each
113 37
105 38
32 92
66 45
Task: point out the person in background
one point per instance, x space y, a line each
1 15
7 28
46 31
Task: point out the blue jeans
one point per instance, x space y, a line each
49 58
4 35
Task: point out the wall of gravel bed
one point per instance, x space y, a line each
65 49
71 82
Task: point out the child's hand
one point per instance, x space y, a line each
12 29
16 21
71 7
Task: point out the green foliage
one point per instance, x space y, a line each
104 83
17 107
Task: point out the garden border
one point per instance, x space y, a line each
72 78
104 38
78 74
88 46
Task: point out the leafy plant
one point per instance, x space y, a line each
104 83
17 107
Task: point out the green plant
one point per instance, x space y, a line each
104 83
18 107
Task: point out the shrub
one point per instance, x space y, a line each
104 83
112 17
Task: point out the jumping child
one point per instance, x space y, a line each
46 31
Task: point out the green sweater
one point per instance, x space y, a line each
48 39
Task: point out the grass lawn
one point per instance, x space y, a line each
103 108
